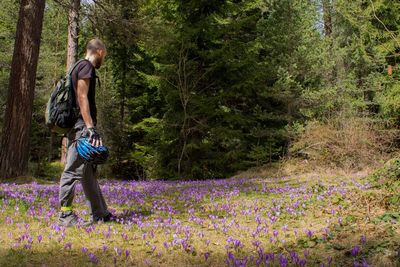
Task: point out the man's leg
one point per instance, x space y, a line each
72 173
76 169
94 197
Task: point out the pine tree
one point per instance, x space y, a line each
15 138
231 85
131 106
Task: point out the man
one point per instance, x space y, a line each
76 169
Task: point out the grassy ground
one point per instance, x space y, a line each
290 221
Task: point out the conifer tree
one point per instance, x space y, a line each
18 116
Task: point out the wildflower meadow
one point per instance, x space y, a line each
290 221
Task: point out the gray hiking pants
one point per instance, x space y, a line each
77 170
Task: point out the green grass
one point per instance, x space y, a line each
357 213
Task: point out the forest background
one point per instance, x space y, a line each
207 89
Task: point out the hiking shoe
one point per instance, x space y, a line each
108 218
68 218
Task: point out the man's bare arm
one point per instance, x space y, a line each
83 101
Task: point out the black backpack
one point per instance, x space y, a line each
62 111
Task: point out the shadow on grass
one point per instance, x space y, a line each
56 256
31 257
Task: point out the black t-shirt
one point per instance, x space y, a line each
85 70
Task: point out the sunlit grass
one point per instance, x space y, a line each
290 221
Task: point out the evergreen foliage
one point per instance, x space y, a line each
203 89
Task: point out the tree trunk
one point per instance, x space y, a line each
73 20
72 53
18 117
327 10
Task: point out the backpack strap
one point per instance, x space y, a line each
69 77
98 81
74 66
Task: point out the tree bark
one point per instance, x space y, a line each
72 53
73 33
327 10
18 116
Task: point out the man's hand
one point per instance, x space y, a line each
94 136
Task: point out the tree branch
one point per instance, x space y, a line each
383 24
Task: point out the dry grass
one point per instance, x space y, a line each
357 209
347 144
302 167
342 147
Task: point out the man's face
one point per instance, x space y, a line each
100 55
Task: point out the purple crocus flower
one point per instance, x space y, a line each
364 263
271 256
9 220
231 256
309 233
118 251
275 233
236 243
294 256
330 260
93 258
283 260
302 262
206 255
256 243
355 250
